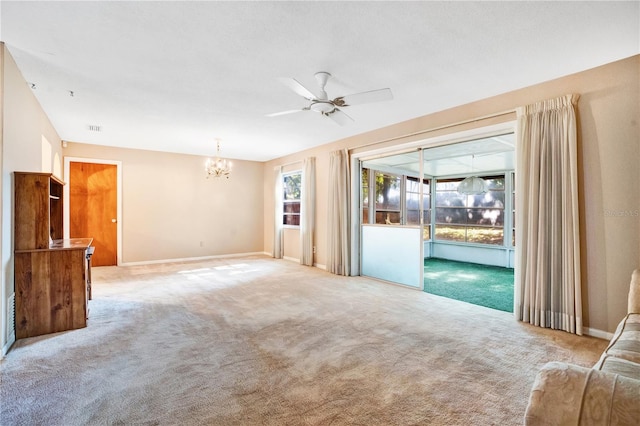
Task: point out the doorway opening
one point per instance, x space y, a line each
467 240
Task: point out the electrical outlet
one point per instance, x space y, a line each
201 243
314 249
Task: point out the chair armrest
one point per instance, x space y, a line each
565 394
634 293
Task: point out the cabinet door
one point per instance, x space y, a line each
51 291
31 211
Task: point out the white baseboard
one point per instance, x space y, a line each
192 259
220 256
315 265
594 332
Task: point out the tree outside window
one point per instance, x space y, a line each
388 205
292 183
470 218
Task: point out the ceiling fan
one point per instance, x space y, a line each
331 107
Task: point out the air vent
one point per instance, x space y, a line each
94 128
11 315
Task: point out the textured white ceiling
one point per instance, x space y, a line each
173 76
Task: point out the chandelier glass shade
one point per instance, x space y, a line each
218 167
472 185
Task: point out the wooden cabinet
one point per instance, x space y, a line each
38 210
50 272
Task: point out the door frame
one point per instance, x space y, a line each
66 220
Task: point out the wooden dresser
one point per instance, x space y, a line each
50 272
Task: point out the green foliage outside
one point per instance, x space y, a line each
470 234
292 184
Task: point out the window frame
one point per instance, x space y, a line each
400 211
426 207
292 201
505 175
368 206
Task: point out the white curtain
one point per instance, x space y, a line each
277 238
338 250
547 281
307 211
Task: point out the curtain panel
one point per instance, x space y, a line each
277 238
547 280
338 240
307 211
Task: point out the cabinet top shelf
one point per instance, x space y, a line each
50 175
67 244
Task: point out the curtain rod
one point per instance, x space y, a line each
288 164
291 163
433 129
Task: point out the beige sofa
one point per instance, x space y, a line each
606 394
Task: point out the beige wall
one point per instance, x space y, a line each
29 143
172 211
609 147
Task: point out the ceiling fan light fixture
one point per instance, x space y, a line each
322 107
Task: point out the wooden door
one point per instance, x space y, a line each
93 208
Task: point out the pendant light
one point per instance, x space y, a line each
472 185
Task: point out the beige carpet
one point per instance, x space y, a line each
260 341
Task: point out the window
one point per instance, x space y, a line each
470 218
292 184
413 204
388 203
487 218
513 209
397 199
365 196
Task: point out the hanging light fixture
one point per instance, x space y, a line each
218 167
472 185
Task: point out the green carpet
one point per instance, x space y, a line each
483 285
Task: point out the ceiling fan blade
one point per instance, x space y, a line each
339 117
294 85
291 111
364 97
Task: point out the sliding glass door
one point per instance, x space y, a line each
391 207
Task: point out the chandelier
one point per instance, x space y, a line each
472 185
217 167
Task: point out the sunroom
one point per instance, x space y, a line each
441 218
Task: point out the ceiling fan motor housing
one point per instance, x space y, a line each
322 77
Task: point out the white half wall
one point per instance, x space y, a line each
393 253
